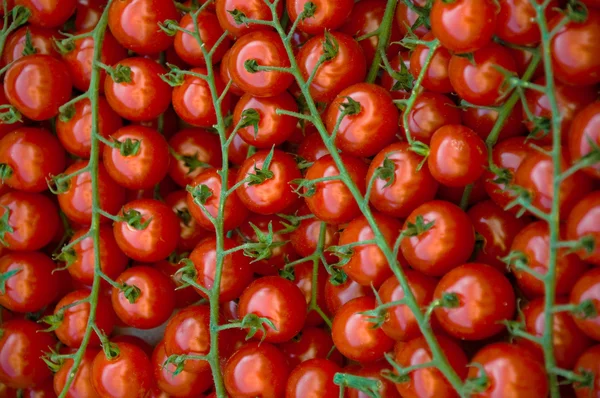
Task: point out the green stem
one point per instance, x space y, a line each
384 33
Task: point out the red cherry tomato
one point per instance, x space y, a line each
588 362
191 233
436 77
183 296
309 344
430 112
588 288
390 83
193 150
210 31
42 40
303 278
585 130
313 378
226 75
406 18
252 9
48 13
328 15
88 13
338 294
305 238
483 120
516 23
583 223
82 381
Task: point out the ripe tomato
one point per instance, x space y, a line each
278 300
139 168
42 40
75 134
256 370
588 362
390 83
346 68
406 18
574 48
48 13
188 333
310 343
430 112
193 151
145 96
88 13
210 31
588 288
305 238
511 371
585 130
82 381
400 323
134 23
517 24
436 77
447 243
583 222
193 100
371 128
267 49
148 306
252 9
128 374
31 223
191 233
271 128
353 334
328 15
234 212
22 345
483 120
372 371
429 382
303 278
33 287
183 296
534 243
74 318
338 294
463 26
313 378
236 271
226 75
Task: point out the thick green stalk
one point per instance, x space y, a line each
384 33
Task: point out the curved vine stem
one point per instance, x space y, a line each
383 32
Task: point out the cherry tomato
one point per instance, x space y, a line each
82 381
147 297
31 220
583 223
256 370
516 22
337 73
371 127
440 237
33 285
140 159
483 120
193 101
271 128
188 333
338 294
333 202
278 300
22 345
396 89
313 378
533 243
48 13
42 40
134 23
234 212
73 318
436 77
88 13
430 112
210 31
236 271
127 374
354 336
309 344
328 15
76 132
252 9
191 233
587 288
226 75
588 362
406 19
463 26
193 151
305 238
6 128
429 381
303 278
585 130
183 296
144 96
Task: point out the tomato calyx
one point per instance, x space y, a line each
5 227
418 227
4 277
386 172
119 73
251 65
128 147
586 244
254 323
349 107
402 374
367 385
9 114
379 314
576 11
134 219
517 260
262 248
331 47
261 175
239 17
293 222
59 184
191 162
478 384
200 193
111 351
174 77
169 27
250 117
5 171
53 360
54 321
448 300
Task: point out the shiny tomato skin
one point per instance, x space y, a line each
236 269
253 9
438 250
333 202
75 134
305 238
267 49
188 48
225 74
588 288
21 347
75 318
480 82
311 343
48 13
313 378
88 13
188 333
534 242
312 146
585 129
353 334
145 97
33 154
574 48
336 295
279 300
497 230
234 212
400 323
33 218
588 362
156 299
583 221
195 143
505 365
129 374
143 169
34 286
48 86
191 233
273 129
516 23
457 156
463 26
42 40
348 67
388 82
436 77
486 299
183 297
483 120
256 369
303 278
406 18
429 382
430 112
328 15
82 382
372 128
193 103
134 23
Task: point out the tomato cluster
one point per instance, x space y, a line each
269 198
